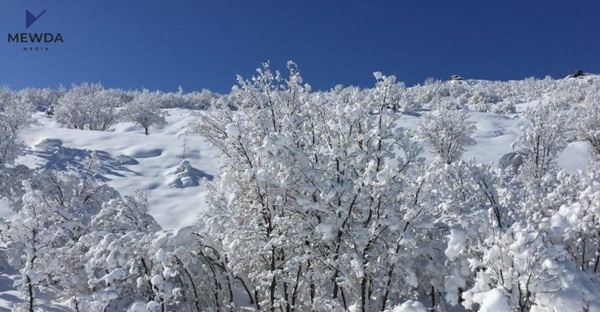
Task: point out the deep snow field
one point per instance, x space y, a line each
132 161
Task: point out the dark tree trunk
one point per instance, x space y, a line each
30 290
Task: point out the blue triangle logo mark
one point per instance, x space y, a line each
30 18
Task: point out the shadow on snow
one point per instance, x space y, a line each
58 156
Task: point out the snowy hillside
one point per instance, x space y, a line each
448 195
150 165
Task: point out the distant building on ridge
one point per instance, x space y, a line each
578 73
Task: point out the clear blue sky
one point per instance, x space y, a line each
161 44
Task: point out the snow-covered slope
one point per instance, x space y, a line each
132 161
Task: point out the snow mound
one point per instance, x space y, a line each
146 153
126 160
186 176
512 159
576 156
49 143
137 306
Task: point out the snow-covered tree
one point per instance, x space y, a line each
587 124
88 106
317 205
575 221
521 264
448 132
260 209
543 140
57 210
14 116
125 213
391 92
40 99
145 110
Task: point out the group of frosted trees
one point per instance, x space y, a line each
91 107
325 202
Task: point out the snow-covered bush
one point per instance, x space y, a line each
575 221
396 95
186 175
81 242
126 213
